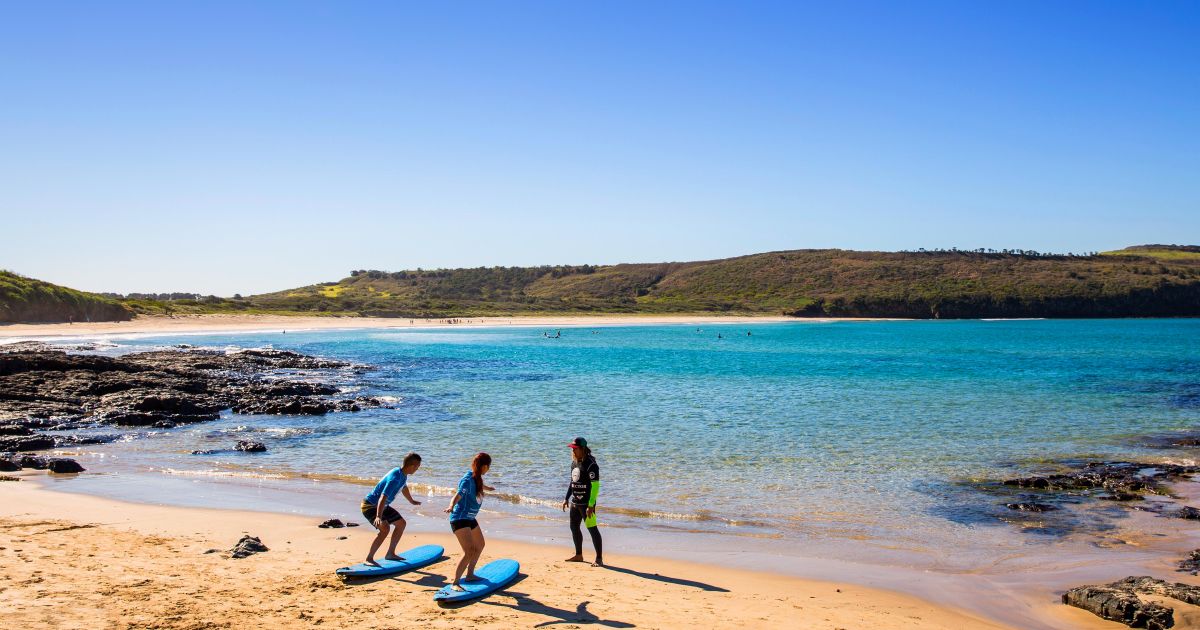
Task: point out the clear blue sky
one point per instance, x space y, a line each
247 147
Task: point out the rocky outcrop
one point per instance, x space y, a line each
35 462
1122 481
47 389
248 446
1030 507
1116 603
1187 512
290 405
334 523
247 546
1123 601
1191 564
63 465
26 443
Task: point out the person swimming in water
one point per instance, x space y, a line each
582 492
378 512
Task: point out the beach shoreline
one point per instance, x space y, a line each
1012 587
162 325
135 564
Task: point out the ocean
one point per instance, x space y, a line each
855 441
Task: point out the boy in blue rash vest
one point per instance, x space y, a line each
378 512
581 498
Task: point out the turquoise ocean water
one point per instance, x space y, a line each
846 436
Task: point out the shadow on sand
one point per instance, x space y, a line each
427 578
666 578
580 615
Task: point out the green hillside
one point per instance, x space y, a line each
1139 281
1160 252
938 284
27 300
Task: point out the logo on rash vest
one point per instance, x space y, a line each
574 474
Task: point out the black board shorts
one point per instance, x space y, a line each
466 522
389 513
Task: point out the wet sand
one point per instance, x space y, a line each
80 561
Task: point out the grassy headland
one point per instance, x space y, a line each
1140 281
803 283
27 300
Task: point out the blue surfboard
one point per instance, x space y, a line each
495 575
414 558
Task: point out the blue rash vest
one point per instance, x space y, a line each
468 504
388 486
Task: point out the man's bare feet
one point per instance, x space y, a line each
472 578
575 558
457 587
394 558
371 561
599 562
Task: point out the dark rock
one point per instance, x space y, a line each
351 524
1188 512
1191 564
7 465
1122 481
76 440
1031 507
1028 482
9 478
1179 441
125 418
1122 601
247 546
45 388
249 446
1121 496
333 522
26 443
290 405
343 537
63 465
1121 606
25 346
35 462
206 452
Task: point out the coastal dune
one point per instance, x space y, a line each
78 561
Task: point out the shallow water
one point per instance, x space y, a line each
846 440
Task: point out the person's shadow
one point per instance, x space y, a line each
666 578
580 615
427 578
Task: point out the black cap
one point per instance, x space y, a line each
579 443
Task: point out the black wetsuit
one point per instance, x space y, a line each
581 493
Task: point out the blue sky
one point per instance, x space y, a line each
248 147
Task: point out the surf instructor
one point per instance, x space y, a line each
582 491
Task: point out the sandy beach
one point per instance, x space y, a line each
79 561
235 323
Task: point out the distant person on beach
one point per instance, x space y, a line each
582 491
464 507
378 512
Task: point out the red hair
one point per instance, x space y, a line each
477 464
